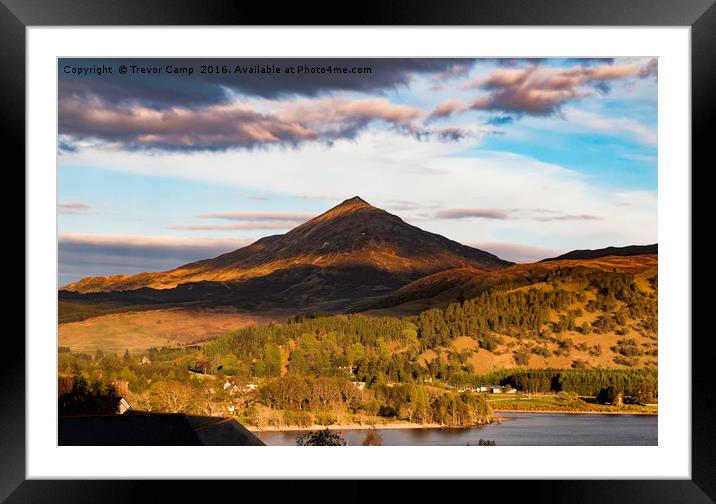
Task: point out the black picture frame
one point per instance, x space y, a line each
700 15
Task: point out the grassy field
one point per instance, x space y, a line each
137 331
562 402
75 311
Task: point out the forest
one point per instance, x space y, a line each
326 369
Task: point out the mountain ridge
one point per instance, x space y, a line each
629 250
443 287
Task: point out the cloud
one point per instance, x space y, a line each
448 108
247 221
151 245
242 226
567 217
512 62
165 90
226 126
537 214
255 197
452 133
63 147
516 252
260 216
213 128
82 255
612 125
642 158
471 213
543 91
453 71
651 68
74 208
219 112
382 166
401 205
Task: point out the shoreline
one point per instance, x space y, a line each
407 425
294 428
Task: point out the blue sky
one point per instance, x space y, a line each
523 158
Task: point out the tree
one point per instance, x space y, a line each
88 399
171 396
272 358
419 405
321 438
610 395
260 415
521 356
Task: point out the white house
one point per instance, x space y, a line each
499 389
123 406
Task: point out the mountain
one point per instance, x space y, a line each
352 251
445 287
609 251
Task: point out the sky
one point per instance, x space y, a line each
524 158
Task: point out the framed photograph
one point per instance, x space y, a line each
433 232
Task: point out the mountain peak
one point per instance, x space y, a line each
355 201
347 207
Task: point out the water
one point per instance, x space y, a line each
517 429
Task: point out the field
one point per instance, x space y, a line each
140 330
564 403
75 311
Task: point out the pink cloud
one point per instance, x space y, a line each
260 216
448 108
74 208
241 226
470 213
538 90
223 126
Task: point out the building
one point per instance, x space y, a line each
153 429
123 406
481 388
500 389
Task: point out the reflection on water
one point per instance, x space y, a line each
517 429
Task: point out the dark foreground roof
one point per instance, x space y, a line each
153 429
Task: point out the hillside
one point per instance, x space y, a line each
572 317
442 288
581 318
630 250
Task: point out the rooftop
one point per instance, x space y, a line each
153 429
